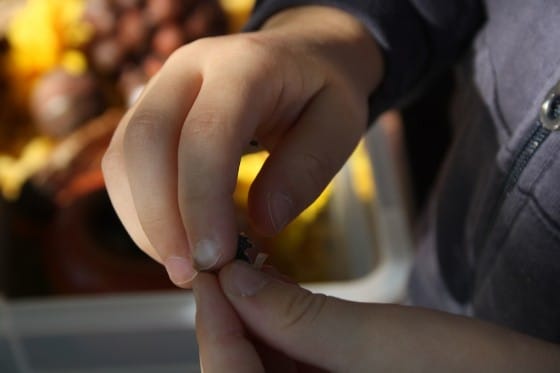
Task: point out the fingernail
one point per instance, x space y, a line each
280 208
244 280
180 271
206 254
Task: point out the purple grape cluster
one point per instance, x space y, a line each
132 38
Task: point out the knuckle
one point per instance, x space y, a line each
178 55
226 338
250 44
145 126
254 56
317 170
303 310
154 223
203 122
213 51
185 52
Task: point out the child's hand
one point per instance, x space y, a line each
299 87
249 320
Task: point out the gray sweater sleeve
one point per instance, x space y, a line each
418 37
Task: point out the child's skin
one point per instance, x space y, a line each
302 93
300 86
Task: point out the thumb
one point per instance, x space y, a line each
311 328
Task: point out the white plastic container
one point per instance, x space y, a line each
155 332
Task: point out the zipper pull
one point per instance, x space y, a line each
550 109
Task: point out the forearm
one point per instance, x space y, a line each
417 339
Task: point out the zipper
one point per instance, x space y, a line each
539 135
524 155
548 121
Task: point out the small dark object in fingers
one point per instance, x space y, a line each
243 244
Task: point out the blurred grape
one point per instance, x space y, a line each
133 38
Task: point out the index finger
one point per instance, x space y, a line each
232 102
182 147
149 147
